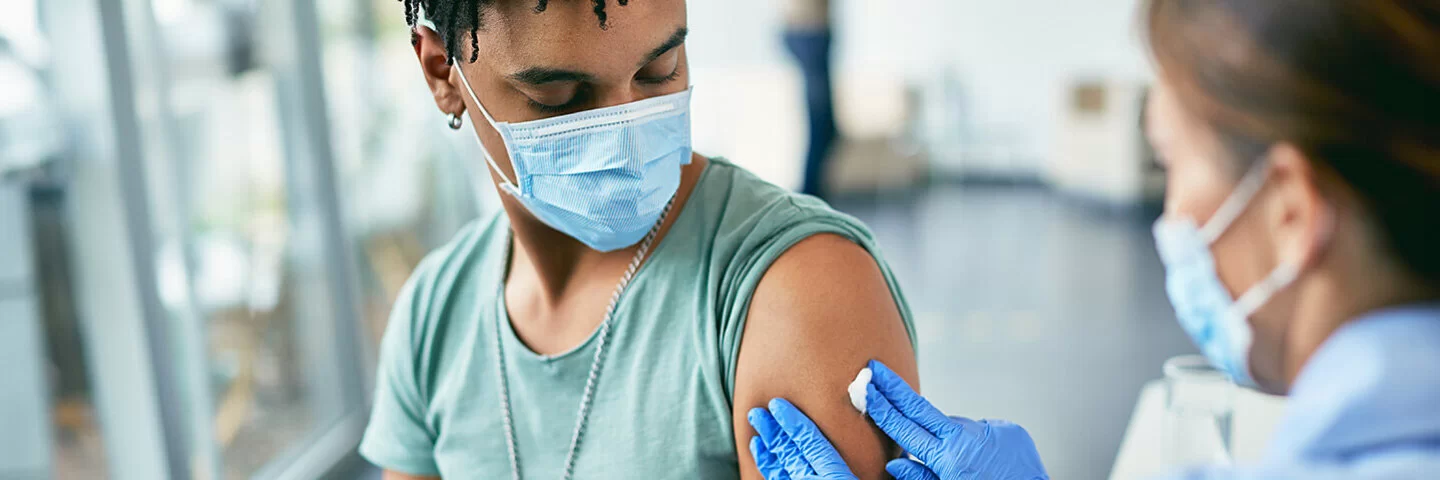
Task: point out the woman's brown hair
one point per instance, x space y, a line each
1355 84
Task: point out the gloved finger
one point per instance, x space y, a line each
765 425
907 469
911 436
906 400
823 457
786 453
769 466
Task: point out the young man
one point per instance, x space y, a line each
627 307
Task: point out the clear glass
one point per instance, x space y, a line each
1199 410
79 448
20 26
241 264
405 177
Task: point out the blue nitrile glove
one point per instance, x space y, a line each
948 448
791 447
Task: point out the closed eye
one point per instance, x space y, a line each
660 80
551 109
582 95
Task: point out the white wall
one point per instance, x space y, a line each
747 102
1101 153
1012 57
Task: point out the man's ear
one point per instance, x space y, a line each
435 64
1301 218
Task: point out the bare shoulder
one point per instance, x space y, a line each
820 312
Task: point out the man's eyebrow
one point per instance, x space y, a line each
542 75
676 39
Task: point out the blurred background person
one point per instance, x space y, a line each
809 38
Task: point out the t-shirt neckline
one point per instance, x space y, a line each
502 312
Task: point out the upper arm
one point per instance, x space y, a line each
398 437
820 312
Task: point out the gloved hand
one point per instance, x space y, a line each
790 446
948 447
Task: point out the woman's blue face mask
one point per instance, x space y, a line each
1218 324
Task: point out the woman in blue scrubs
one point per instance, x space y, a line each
1301 240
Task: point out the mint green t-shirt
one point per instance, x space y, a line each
662 406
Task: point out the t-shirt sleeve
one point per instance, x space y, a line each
770 236
398 437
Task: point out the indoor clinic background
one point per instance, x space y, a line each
208 206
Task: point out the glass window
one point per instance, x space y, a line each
243 270
241 261
51 372
20 26
404 178
79 449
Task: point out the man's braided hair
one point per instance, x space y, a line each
453 18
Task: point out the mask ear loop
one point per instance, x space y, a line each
1238 330
493 124
1235 204
422 21
1252 300
1285 274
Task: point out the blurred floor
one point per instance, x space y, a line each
1032 308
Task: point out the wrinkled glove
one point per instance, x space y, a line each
791 447
948 448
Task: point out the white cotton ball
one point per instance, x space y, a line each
857 389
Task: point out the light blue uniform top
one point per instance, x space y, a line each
1366 406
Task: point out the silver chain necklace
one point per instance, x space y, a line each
588 397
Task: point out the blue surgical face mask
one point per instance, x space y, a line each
601 176
1218 324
